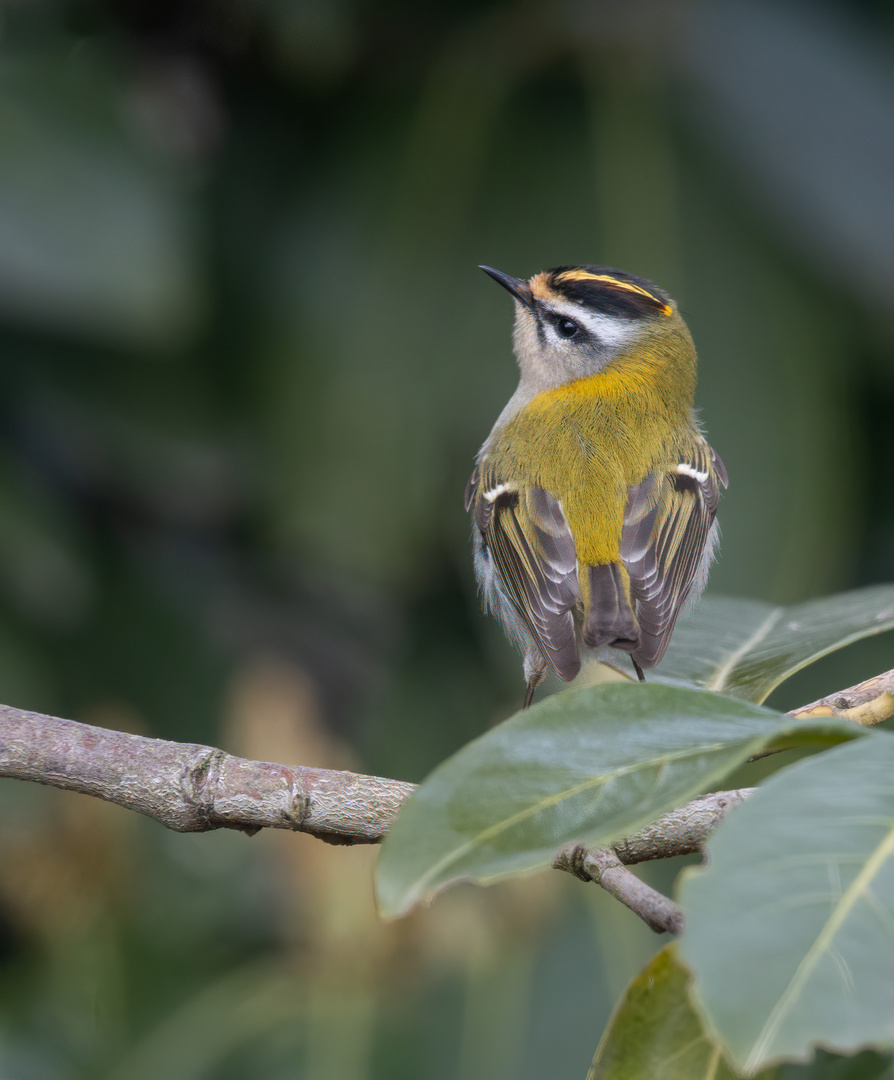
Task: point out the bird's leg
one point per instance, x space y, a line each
534 675
638 670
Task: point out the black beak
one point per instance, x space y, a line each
519 288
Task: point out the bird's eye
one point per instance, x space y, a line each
566 328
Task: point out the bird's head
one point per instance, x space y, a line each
574 321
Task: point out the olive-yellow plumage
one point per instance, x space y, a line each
594 496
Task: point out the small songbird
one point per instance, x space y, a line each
593 498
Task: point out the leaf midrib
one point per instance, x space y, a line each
718 682
858 887
566 793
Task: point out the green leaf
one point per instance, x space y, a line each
655 1032
589 766
747 648
790 929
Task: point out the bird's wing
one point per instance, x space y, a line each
534 557
666 543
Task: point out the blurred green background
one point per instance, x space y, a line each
247 359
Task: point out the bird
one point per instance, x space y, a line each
594 497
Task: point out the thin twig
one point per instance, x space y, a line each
868 703
681 832
606 869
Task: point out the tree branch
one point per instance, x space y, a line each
193 788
